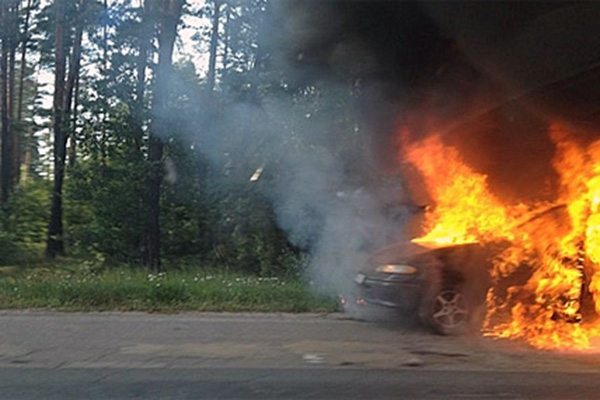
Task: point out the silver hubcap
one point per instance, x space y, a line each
450 309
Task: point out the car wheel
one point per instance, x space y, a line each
447 312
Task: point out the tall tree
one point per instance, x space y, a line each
14 143
72 89
55 244
4 121
168 13
9 21
64 85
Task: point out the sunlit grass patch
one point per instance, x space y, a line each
125 289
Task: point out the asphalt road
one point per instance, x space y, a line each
270 356
320 383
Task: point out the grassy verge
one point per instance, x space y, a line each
125 289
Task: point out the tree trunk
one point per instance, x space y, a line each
23 64
261 55
142 63
74 59
137 113
55 244
14 143
214 41
6 163
169 12
226 37
29 142
63 99
73 78
22 70
73 125
152 245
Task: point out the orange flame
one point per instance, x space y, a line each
553 261
466 211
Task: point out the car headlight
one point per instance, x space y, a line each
396 269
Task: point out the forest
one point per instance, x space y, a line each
160 133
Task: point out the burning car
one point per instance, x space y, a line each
447 284
521 135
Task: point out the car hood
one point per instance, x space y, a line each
407 251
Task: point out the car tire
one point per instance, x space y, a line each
447 311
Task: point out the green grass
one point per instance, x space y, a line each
83 289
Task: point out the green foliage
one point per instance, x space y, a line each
243 230
27 213
24 222
103 204
10 252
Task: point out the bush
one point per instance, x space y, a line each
24 221
104 212
10 252
27 214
